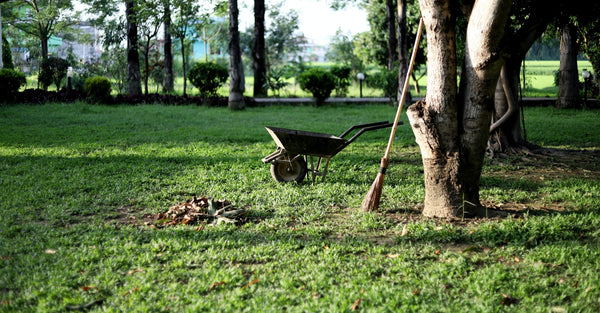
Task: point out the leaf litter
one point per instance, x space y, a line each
200 210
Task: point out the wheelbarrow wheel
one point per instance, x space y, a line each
284 171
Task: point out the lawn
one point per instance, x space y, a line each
83 187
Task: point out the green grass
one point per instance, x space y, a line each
79 182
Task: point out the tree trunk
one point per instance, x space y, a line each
452 128
134 85
392 39
184 66
146 65
434 120
236 68
259 62
568 89
506 135
402 50
1 42
44 43
168 50
483 63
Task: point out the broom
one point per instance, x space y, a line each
371 201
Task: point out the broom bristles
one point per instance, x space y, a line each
371 201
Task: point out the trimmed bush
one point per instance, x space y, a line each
52 71
98 89
319 82
386 81
208 77
11 81
342 79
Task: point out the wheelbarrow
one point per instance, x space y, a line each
295 148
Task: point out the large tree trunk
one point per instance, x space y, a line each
452 129
134 84
392 39
168 50
236 68
568 89
483 63
259 61
402 49
434 120
184 65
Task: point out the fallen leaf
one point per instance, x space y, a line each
131 272
517 260
50 251
508 300
416 292
215 285
316 296
392 256
355 304
136 289
437 252
250 283
404 231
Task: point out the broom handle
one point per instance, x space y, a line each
404 89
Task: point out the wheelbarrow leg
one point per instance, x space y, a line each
315 170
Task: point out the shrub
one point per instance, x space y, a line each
11 81
208 77
386 81
342 79
98 89
52 71
275 80
319 82
6 54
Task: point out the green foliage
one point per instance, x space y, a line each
280 37
7 61
385 80
276 80
343 79
98 89
208 77
341 50
53 71
10 80
319 82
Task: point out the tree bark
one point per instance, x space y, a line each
259 62
452 128
392 39
134 85
568 89
434 120
168 50
483 62
236 68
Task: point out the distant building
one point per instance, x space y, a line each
87 48
311 52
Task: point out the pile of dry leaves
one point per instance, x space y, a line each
199 210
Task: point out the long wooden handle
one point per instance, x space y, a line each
404 89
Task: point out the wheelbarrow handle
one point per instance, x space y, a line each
374 127
365 125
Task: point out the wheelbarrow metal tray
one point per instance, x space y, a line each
305 142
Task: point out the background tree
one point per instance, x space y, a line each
134 84
149 21
282 39
568 79
341 50
236 68
42 18
259 56
168 85
185 14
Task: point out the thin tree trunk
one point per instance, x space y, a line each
134 85
168 64
183 65
259 62
392 39
402 49
568 89
236 68
1 42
